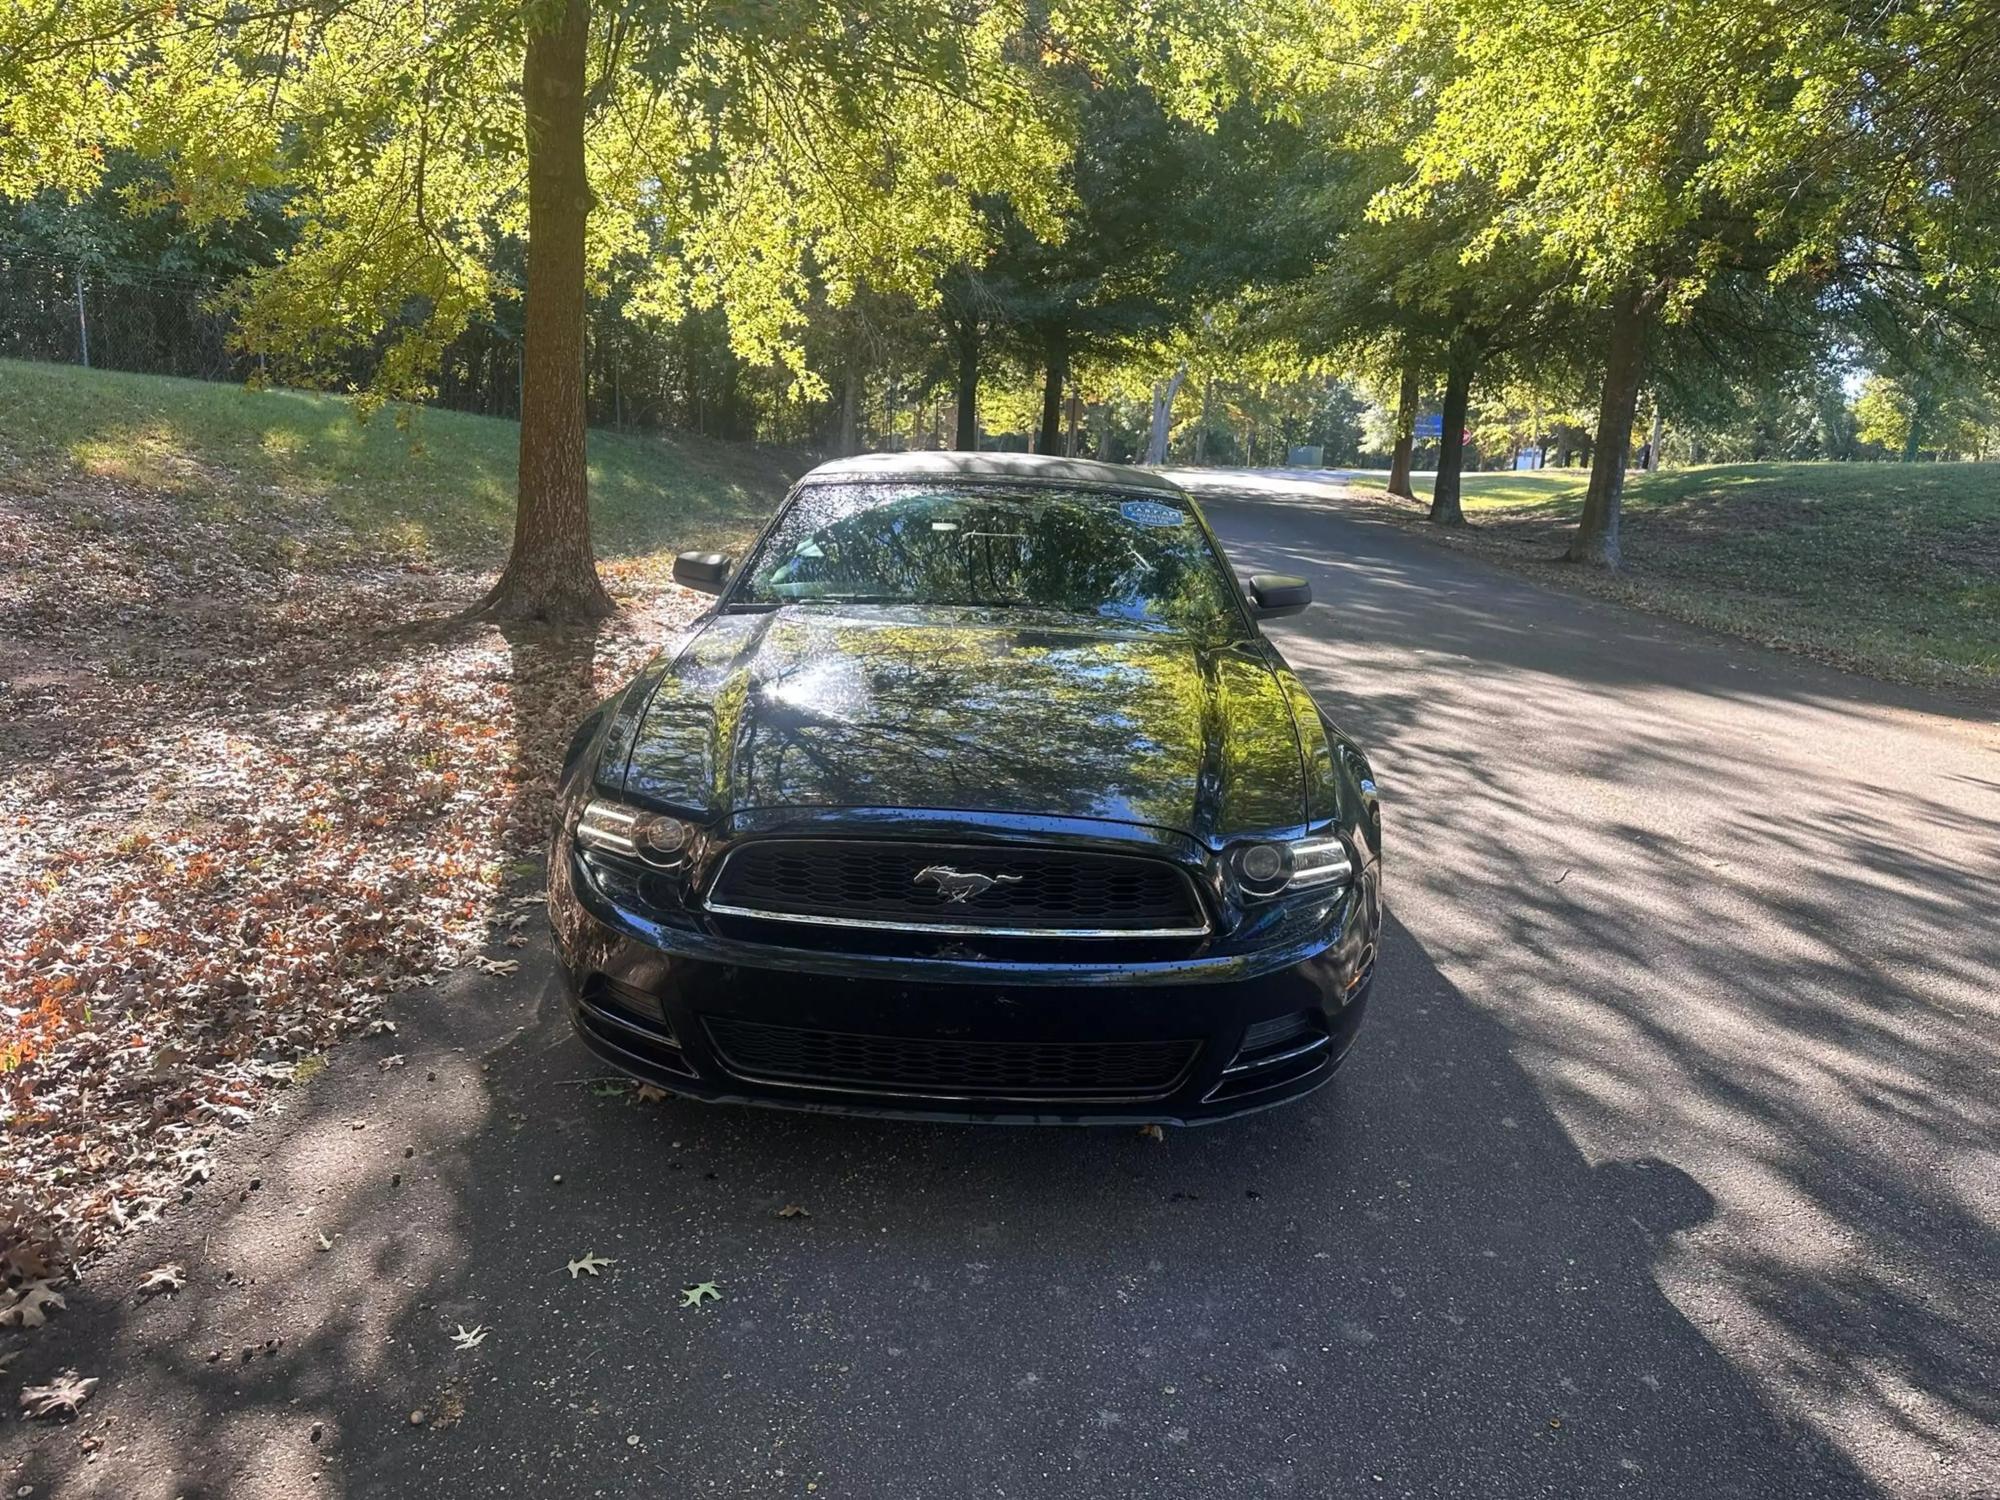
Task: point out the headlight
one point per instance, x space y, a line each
657 838
1296 865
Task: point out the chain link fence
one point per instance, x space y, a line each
115 317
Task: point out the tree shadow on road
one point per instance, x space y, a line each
1412 1275
1735 911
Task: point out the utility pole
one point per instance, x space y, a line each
82 322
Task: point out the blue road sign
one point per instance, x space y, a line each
1431 426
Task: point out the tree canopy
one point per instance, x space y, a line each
853 208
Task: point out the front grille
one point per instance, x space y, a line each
1034 892
945 1068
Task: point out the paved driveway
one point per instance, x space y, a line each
1669 1165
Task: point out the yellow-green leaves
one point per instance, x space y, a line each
747 154
1662 139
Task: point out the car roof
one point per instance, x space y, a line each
1002 468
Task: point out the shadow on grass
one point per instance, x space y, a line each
407 481
1914 599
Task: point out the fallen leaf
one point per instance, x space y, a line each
27 1260
1152 1133
497 965
167 1278
648 1094
591 1263
394 1060
694 1296
469 1338
323 829
30 1306
794 1211
59 1398
324 1242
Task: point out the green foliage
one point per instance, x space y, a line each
1882 413
1909 417
752 155
738 151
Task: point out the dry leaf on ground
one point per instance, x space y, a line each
242 812
30 1306
167 1278
59 1398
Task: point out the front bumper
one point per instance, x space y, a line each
699 1015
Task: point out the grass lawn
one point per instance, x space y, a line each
1889 568
412 481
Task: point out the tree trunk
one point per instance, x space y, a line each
1049 440
1653 442
1445 507
1913 444
1406 433
1163 416
848 440
1075 417
967 338
1596 539
551 573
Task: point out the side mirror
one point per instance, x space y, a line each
705 571
1277 594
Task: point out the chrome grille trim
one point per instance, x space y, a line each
962 929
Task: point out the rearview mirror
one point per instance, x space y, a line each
1277 594
706 571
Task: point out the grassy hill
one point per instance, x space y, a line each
410 480
1892 568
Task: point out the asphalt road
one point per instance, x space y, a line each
1668 1166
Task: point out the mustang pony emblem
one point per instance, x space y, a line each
958 886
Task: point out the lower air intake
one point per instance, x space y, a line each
939 1068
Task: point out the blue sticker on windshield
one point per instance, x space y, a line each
1152 513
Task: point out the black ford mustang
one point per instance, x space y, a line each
978 794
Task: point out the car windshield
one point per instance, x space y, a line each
1136 558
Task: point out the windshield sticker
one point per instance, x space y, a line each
1152 513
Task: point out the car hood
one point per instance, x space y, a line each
967 710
